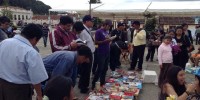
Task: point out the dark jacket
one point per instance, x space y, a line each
121 36
45 31
190 36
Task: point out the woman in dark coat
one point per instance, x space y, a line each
181 58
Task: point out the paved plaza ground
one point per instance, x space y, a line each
148 92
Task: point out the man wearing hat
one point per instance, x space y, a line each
86 35
116 52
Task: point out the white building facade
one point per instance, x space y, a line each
19 14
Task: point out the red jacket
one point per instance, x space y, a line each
61 39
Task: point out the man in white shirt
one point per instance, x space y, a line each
85 35
21 65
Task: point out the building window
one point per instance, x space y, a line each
19 17
22 17
15 17
27 17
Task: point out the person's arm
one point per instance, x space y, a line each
84 36
186 41
74 75
98 38
38 90
190 36
57 41
141 35
112 33
170 91
160 53
36 70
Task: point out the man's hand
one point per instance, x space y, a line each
179 44
39 97
73 45
107 40
38 90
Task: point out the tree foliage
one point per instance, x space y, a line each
38 7
150 21
7 13
150 24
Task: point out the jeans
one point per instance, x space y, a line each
103 60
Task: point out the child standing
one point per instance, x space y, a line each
165 58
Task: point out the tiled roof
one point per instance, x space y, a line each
45 17
176 20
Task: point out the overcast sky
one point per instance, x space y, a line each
66 4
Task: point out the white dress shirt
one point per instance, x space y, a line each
20 63
84 35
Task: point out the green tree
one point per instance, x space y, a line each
150 21
38 7
8 13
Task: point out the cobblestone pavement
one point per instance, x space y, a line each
148 92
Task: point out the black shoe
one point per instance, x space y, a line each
85 90
151 60
147 60
93 86
131 69
139 70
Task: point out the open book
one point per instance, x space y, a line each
79 41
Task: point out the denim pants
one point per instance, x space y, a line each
102 60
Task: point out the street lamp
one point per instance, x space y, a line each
92 2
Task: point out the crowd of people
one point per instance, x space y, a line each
76 52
